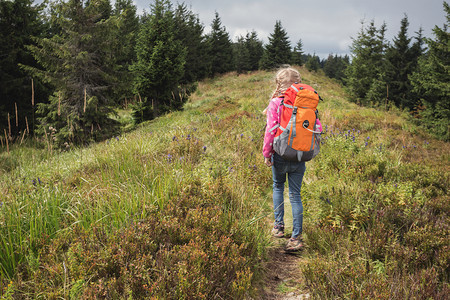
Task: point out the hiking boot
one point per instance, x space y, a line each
294 244
278 231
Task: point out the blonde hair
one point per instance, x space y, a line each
284 79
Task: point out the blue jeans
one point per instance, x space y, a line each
295 172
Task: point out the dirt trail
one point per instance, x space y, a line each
283 276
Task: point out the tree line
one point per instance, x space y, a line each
411 73
68 65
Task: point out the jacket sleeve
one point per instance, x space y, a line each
272 121
318 125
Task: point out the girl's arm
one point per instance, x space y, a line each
272 122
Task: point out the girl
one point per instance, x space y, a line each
280 168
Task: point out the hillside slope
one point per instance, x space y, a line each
181 207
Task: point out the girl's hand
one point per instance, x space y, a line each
267 161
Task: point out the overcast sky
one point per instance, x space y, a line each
324 26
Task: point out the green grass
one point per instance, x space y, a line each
376 208
179 177
180 207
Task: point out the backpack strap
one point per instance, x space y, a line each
274 127
312 130
281 103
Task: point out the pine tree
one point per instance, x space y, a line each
247 52
401 60
417 49
159 68
367 65
126 25
330 66
20 21
255 50
241 56
220 48
278 50
431 81
77 62
189 31
297 54
313 63
342 65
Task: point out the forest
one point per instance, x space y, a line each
67 67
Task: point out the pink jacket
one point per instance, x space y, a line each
273 119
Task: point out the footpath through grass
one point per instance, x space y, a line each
181 207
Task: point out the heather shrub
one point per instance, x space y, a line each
342 277
192 249
179 207
159 212
378 226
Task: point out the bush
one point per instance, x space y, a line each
191 249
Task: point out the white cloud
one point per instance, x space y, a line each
324 26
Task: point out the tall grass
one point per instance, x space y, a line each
376 208
180 207
181 173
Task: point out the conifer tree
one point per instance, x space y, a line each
220 48
401 60
241 56
126 25
418 48
255 50
431 81
189 31
313 63
20 21
297 54
78 63
367 68
278 50
330 66
247 53
159 68
335 66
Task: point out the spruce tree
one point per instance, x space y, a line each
126 22
220 48
401 60
20 21
159 68
330 66
431 82
255 50
342 64
78 62
363 74
418 48
297 54
313 63
241 56
247 52
278 50
189 31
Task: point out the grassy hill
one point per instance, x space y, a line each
181 206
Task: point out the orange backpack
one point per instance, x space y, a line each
296 138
